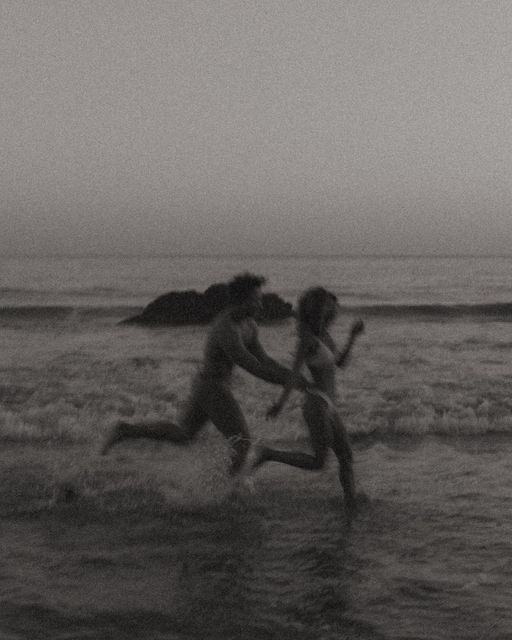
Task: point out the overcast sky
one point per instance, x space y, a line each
246 126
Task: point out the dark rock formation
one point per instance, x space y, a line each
191 307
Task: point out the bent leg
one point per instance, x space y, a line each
225 413
343 451
292 458
194 417
316 420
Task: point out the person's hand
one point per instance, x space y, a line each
274 410
309 386
357 328
303 384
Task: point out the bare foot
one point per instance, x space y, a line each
362 499
114 435
354 505
351 508
242 486
254 457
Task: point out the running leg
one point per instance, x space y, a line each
225 413
193 419
315 416
343 451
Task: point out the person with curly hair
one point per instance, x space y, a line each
232 340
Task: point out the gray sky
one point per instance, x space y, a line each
234 126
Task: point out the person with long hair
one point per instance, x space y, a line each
317 350
232 340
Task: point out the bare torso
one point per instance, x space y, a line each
322 364
217 363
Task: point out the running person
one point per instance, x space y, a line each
232 340
317 350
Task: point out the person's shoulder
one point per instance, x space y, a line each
251 323
221 319
224 322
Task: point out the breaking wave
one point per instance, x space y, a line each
490 311
499 311
34 314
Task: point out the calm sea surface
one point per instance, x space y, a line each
147 542
119 281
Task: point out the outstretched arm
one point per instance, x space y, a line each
249 359
257 350
344 355
294 381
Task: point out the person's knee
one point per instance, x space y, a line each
317 421
240 444
319 458
342 448
344 455
239 449
311 413
183 434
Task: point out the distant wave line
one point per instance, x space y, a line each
497 310
61 312
502 310
85 291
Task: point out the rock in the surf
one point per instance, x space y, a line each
191 307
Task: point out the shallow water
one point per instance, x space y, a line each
147 542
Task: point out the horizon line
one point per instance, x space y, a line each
284 256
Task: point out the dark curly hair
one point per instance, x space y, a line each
312 311
242 286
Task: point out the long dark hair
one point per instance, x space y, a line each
312 311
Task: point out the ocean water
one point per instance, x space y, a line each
148 542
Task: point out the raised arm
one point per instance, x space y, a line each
344 355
